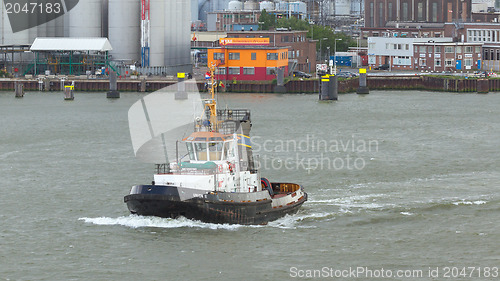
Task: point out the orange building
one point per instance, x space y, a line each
244 62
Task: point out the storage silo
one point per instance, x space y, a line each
124 17
281 6
266 5
342 7
299 7
177 36
356 7
8 37
157 33
237 6
219 5
251 5
85 19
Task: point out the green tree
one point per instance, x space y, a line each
293 23
315 32
266 20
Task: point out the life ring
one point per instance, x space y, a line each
231 166
220 168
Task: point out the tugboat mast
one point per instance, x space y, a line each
211 104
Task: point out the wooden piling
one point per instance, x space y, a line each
19 89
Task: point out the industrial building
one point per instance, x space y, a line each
154 34
247 59
327 12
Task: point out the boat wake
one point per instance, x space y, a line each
135 221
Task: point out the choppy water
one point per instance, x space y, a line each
424 195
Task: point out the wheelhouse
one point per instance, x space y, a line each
209 146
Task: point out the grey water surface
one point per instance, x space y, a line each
404 182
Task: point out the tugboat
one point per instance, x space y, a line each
217 180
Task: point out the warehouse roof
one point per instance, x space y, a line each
71 44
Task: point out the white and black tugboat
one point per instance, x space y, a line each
209 173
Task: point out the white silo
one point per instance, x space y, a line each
7 36
235 6
85 19
177 36
299 7
251 5
342 7
281 6
267 5
125 29
356 7
157 33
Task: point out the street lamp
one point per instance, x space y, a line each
328 60
335 57
320 48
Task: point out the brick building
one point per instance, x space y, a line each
413 18
380 12
447 56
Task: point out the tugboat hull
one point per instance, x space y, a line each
164 201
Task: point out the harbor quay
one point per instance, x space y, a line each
310 86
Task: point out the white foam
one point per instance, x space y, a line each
406 213
463 202
134 221
292 221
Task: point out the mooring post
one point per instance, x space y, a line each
324 89
68 92
143 85
280 81
362 89
181 93
113 86
19 89
46 83
333 88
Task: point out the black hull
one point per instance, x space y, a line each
164 201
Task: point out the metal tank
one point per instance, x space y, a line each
251 5
266 5
342 7
219 5
299 7
237 6
85 19
177 36
281 6
124 17
157 33
7 36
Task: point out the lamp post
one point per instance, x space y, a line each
433 54
335 57
328 60
320 48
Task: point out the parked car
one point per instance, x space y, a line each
344 74
384 66
301 74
